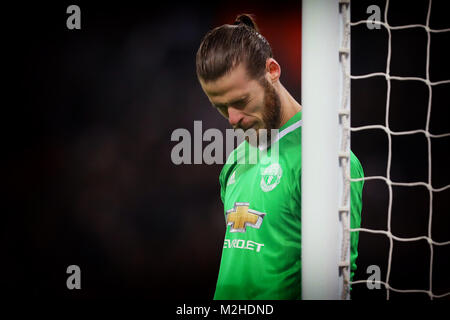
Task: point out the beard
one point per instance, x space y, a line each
271 117
272 108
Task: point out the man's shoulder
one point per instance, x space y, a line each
356 167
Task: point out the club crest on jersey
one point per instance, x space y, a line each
241 217
270 177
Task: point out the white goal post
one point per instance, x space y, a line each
325 149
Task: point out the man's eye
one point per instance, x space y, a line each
223 109
219 107
244 102
239 104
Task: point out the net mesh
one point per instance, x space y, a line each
344 155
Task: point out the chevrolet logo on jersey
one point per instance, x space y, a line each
241 217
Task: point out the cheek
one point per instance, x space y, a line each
255 117
256 109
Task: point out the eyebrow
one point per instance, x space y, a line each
237 101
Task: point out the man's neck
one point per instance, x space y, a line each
289 106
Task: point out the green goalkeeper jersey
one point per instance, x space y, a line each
262 204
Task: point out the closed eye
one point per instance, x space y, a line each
240 103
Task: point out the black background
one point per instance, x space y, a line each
88 116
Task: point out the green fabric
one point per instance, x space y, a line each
263 261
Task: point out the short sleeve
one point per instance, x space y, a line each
356 187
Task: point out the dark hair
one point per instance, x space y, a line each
224 47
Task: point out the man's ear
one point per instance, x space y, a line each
273 70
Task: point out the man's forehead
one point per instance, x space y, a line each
236 83
230 97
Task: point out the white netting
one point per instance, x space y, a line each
390 133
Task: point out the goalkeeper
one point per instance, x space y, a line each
262 201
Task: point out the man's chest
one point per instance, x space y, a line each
257 195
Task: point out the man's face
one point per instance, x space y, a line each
246 103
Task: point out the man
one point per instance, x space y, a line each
262 200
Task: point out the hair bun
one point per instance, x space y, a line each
246 19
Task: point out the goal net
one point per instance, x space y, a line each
412 233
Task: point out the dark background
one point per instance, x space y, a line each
88 117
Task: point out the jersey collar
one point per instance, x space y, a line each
296 117
293 123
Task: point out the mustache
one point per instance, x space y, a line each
238 126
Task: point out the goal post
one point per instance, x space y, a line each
323 103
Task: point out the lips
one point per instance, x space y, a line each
243 128
252 125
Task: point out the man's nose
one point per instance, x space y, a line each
234 116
